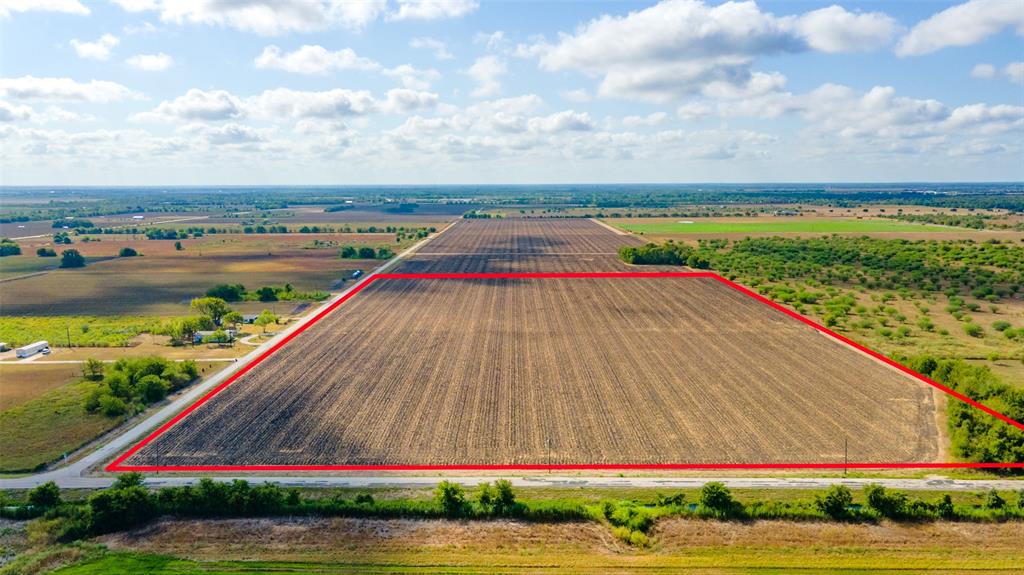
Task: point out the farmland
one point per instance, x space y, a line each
774 226
164 279
523 371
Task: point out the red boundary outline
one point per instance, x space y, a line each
117 466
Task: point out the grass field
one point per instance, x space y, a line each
83 331
768 225
21 383
42 425
43 429
525 371
408 546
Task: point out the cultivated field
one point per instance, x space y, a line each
557 371
163 280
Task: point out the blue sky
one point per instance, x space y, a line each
164 92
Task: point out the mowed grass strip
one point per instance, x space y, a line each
557 371
772 225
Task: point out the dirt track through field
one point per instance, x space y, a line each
556 371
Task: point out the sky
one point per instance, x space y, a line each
222 92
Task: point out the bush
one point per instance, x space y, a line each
227 292
128 253
836 501
716 498
1000 325
71 259
505 498
45 496
973 330
112 406
451 498
9 248
367 253
892 505
46 253
994 501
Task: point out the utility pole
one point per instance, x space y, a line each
846 454
67 328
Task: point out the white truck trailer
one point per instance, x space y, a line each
32 349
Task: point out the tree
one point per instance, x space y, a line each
71 259
112 406
227 292
46 253
177 246
128 252
267 293
92 369
504 496
233 319
892 505
45 496
184 329
9 248
717 498
212 307
264 319
347 252
450 497
835 502
367 253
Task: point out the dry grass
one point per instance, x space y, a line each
21 383
562 371
512 547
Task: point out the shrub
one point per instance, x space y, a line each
367 253
716 498
994 501
364 499
227 292
451 498
128 252
505 497
973 330
892 505
112 406
71 259
46 253
45 496
1000 325
835 502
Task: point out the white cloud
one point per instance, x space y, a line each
98 50
568 120
652 119
962 25
313 60
150 62
413 78
436 46
65 6
433 9
196 105
833 29
487 71
986 71
14 113
267 18
284 103
680 47
494 41
693 111
1015 72
226 134
403 101
578 96
32 88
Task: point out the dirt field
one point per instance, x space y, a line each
369 545
519 237
557 371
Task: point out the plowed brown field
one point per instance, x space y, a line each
556 371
